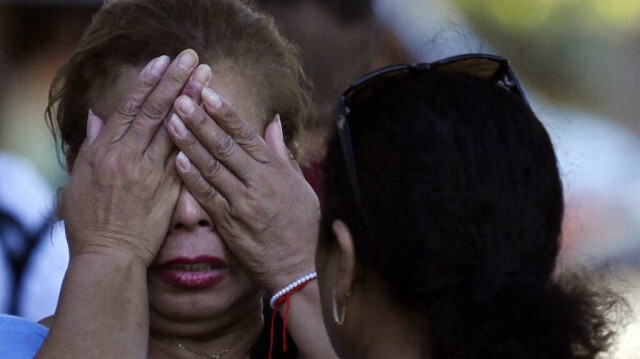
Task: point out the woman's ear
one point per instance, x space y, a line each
346 260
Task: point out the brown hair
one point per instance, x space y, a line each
132 32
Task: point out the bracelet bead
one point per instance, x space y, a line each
295 284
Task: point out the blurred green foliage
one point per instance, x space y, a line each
581 52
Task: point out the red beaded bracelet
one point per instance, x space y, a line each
282 296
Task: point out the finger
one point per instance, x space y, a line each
199 80
170 165
94 127
274 138
219 144
157 105
129 107
213 171
209 198
242 133
162 144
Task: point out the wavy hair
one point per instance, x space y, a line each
132 32
464 201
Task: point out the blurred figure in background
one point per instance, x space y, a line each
339 42
33 254
34 40
37 37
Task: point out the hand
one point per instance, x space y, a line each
260 202
123 187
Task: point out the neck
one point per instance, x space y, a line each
399 338
233 342
380 329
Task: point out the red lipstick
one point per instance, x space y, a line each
192 273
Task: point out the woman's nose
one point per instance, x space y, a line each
188 214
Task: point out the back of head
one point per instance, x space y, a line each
226 34
461 216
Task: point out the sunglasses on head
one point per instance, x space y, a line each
490 67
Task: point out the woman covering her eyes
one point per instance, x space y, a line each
152 271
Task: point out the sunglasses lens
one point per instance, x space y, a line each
477 67
372 84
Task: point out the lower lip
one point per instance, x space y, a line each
192 280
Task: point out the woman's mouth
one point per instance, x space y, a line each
192 273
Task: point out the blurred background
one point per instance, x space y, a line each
577 61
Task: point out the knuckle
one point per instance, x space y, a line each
212 167
246 135
209 192
117 163
225 147
199 119
189 144
227 113
175 80
128 107
153 109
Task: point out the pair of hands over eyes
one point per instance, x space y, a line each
125 182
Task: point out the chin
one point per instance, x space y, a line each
172 308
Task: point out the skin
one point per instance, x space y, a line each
116 203
137 215
259 200
374 326
126 210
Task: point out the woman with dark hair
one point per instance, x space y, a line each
441 222
441 218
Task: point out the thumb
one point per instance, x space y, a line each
275 139
94 127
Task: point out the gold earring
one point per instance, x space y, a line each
338 318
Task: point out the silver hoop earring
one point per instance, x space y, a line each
338 318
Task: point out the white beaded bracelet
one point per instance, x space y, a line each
298 282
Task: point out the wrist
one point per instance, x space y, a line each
106 258
289 269
111 248
283 294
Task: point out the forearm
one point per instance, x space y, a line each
102 311
305 323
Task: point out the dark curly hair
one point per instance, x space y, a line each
132 32
463 205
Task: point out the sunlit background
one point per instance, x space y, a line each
577 60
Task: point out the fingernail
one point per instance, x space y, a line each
187 59
211 98
277 119
202 75
91 126
178 126
159 65
185 105
183 162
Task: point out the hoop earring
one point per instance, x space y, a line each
338 318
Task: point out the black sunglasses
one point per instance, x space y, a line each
490 67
